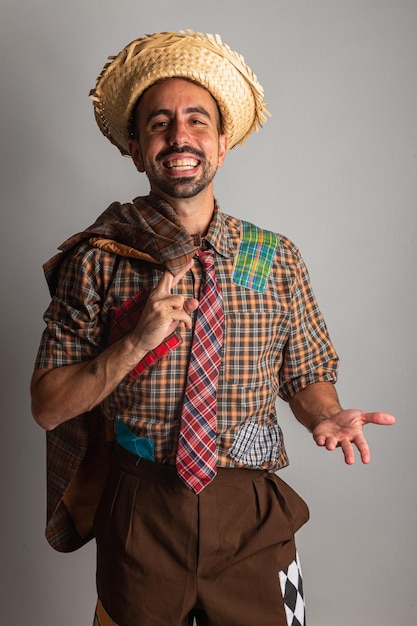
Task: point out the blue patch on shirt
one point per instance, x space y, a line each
141 447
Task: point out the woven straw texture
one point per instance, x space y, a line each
198 57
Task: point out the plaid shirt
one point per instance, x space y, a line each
275 340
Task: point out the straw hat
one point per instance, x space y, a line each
203 59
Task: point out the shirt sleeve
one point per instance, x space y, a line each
74 318
309 355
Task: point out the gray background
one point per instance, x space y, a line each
334 169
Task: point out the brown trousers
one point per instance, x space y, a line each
165 555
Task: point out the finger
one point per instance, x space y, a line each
348 451
384 419
182 273
331 443
191 305
164 287
169 281
363 448
320 440
180 316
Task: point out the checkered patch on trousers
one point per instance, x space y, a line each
293 594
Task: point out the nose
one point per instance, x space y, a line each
178 133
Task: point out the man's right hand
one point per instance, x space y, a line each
163 312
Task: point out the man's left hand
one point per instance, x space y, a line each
345 430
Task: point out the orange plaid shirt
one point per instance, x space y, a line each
275 343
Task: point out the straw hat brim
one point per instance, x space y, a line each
203 59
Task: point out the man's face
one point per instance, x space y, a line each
179 145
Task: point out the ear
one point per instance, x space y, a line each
136 154
222 149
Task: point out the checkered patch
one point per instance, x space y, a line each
292 592
254 258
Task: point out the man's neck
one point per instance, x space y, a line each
195 214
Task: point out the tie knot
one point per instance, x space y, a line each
206 258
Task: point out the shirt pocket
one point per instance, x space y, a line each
253 347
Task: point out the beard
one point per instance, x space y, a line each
182 186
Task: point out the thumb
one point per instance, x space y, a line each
384 419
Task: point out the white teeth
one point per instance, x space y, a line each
182 164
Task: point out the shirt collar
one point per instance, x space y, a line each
224 233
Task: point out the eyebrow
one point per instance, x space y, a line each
168 112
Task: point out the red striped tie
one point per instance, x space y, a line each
196 455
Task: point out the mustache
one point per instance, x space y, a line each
188 150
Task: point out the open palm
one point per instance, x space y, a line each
345 430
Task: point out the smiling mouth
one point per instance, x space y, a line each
181 164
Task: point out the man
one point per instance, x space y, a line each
181 325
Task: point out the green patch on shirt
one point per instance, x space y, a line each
254 257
